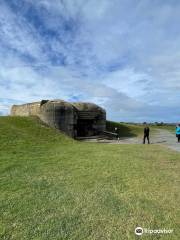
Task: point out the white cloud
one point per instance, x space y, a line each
123 55
18 35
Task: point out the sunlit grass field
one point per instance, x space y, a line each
52 187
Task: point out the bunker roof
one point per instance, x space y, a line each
86 106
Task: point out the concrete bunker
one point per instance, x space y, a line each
91 119
77 119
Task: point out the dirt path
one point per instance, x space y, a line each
166 138
161 136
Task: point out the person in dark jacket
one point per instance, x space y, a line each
146 134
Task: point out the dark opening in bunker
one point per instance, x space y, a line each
85 128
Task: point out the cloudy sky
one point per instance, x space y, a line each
121 54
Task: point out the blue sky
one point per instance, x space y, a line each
121 54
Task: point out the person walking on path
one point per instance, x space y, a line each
178 132
146 134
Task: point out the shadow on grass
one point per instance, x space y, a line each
122 130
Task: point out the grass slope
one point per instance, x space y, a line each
52 187
134 130
170 128
125 130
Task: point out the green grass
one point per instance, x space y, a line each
124 129
134 130
170 128
52 187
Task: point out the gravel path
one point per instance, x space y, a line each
161 136
166 138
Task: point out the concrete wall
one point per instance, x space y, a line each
59 115
65 116
29 109
94 112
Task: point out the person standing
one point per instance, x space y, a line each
146 134
117 133
178 132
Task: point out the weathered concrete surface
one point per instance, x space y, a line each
60 115
75 119
29 109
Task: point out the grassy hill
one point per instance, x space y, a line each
170 128
52 187
125 130
134 130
